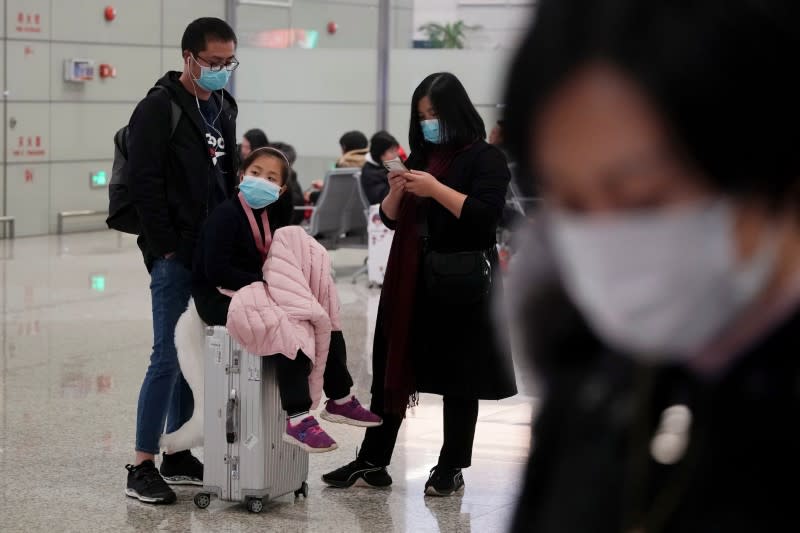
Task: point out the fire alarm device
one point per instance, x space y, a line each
78 70
110 13
107 71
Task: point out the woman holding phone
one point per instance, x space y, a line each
434 331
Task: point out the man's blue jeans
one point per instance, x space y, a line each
165 396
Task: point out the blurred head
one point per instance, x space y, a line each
441 106
268 164
664 161
383 147
353 140
209 43
497 136
253 139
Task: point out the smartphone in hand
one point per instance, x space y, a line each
395 165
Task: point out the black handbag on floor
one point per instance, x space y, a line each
455 278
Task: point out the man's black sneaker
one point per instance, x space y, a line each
359 471
444 481
146 484
182 468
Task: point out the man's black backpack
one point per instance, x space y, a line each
122 215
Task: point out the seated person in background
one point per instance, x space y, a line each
293 185
354 150
251 140
231 251
374 181
354 147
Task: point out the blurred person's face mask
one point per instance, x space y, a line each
658 284
258 192
431 131
211 80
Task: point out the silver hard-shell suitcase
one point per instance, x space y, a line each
246 459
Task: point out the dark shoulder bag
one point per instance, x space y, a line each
455 278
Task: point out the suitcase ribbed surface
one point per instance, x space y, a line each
258 463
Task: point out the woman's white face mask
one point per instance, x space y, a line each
658 284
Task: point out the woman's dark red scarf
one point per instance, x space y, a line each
400 291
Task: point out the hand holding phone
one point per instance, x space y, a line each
395 165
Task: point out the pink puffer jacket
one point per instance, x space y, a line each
296 309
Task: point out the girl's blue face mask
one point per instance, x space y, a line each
258 192
431 130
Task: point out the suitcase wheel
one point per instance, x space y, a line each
303 490
255 505
202 499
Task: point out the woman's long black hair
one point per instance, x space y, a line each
459 121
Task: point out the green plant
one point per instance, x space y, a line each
449 35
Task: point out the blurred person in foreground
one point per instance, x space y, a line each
667 340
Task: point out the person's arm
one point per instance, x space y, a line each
390 206
148 145
219 235
483 206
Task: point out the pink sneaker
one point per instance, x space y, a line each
309 435
350 413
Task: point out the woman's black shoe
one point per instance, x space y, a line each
444 481
182 468
348 475
147 485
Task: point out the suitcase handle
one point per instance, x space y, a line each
231 419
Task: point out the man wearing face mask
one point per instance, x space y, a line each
181 146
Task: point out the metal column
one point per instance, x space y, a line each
384 43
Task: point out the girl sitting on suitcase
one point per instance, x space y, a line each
230 256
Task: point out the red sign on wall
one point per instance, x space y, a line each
29 22
30 146
28 175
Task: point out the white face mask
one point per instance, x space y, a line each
658 285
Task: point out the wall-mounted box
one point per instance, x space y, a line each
78 70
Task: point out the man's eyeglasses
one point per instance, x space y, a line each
230 65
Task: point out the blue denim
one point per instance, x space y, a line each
165 397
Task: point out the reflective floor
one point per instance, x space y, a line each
76 337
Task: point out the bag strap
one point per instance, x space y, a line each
261 244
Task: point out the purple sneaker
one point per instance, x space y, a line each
309 435
350 413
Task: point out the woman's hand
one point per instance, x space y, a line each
421 183
397 183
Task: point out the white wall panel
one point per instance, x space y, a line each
29 61
313 129
137 22
28 199
69 190
86 131
177 14
29 139
3 19
138 68
357 24
307 75
171 59
28 19
252 20
402 28
481 71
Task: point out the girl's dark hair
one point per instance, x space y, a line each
287 149
268 151
257 138
718 71
199 32
459 121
